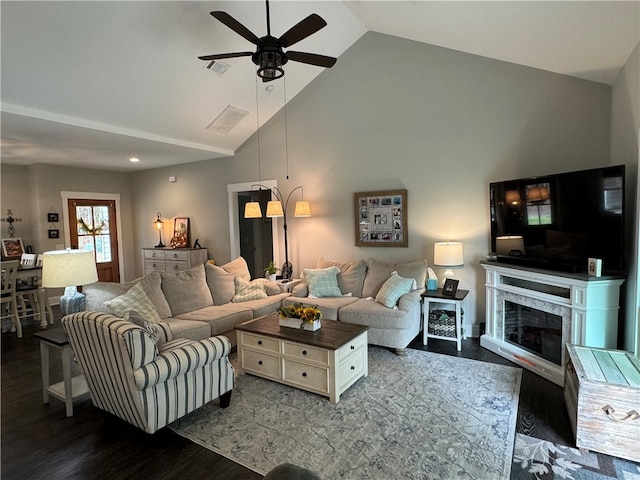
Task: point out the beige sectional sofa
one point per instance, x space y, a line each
360 298
199 303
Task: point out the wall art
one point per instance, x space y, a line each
381 218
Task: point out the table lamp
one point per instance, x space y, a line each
449 256
67 269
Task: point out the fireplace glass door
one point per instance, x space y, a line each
533 330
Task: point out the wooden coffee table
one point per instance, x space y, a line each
327 361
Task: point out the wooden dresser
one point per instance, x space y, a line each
602 394
172 259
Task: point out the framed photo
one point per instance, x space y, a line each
180 233
52 218
12 247
54 233
381 219
450 287
595 267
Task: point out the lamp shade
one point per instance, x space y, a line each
302 209
448 254
66 268
274 209
252 210
510 245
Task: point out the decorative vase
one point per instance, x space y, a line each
272 277
295 323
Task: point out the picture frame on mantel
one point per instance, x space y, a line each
381 218
180 233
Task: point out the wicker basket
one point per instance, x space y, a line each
442 323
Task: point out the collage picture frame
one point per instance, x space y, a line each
381 218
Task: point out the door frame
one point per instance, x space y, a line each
234 227
115 197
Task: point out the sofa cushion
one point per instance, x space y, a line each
351 276
239 268
329 306
152 285
323 282
220 284
246 290
219 319
100 292
375 315
378 272
186 290
136 300
393 289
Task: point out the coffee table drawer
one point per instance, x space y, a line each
261 364
350 368
306 376
350 347
259 342
305 352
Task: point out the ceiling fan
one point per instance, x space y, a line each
270 56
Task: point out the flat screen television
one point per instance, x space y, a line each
560 221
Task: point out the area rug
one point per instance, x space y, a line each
535 459
419 416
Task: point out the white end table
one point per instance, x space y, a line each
431 298
287 285
71 388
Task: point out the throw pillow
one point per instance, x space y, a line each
351 276
393 289
187 290
246 290
323 282
135 299
239 268
220 284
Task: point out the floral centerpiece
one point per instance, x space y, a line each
305 317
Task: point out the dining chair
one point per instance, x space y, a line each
9 302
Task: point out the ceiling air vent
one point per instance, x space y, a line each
228 119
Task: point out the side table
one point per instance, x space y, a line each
432 298
287 286
71 388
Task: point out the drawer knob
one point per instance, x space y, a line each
631 414
259 342
304 374
353 347
175 267
259 362
304 352
352 367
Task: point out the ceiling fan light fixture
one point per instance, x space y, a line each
270 64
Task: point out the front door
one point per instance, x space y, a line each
93 227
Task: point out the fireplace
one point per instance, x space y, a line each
531 315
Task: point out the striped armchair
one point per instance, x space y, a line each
146 384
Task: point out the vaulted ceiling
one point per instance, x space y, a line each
94 83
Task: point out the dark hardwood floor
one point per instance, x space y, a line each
39 442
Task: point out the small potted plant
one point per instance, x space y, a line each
271 271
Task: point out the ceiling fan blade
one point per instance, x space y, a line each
235 25
312 59
302 30
220 56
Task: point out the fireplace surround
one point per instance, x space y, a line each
531 314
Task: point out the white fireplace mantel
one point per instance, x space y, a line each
588 305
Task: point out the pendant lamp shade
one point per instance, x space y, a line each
274 209
252 210
302 209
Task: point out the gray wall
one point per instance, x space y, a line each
625 133
394 114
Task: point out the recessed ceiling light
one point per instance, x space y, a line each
134 159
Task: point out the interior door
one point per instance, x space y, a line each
93 227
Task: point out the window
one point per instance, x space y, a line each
538 204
